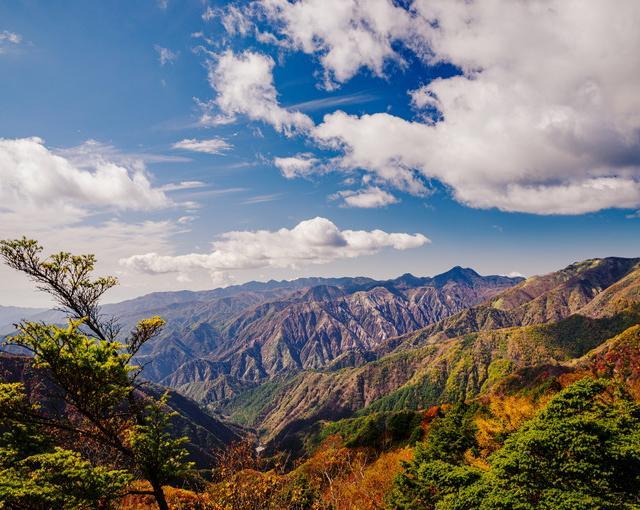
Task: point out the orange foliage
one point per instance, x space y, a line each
505 415
366 486
246 490
178 499
332 460
235 458
568 378
334 477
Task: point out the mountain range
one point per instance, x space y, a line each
283 357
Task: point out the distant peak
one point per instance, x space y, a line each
408 277
458 272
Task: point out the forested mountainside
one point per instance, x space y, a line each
427 367
483 416
539 300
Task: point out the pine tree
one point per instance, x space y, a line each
93 401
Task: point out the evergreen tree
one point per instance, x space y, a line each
582 452
92 399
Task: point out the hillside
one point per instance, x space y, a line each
542 299
442 369
214 349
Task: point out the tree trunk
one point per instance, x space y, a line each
159 495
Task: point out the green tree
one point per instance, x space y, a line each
582 452
36 474
91 392
424 478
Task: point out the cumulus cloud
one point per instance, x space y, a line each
366 198
77 200
545 117
301 165
390 148
34 180
211 146
347 35
314 241
244 86
165 55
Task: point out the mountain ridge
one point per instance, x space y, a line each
311 327
436 368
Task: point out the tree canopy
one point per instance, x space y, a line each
88 429
580 452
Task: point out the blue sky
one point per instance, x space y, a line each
457 165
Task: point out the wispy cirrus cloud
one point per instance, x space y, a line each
165 55
88 153
259 199
8 40
332 102
209 146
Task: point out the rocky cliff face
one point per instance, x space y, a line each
215 349
537 300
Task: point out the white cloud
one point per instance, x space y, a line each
110 241
8 39
208 14
545 118
89 153
62 202
234 21
38 184
300 165
162 4
244 86
185 220
391 148
314 241
346 34
211 146
366 198
165 55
